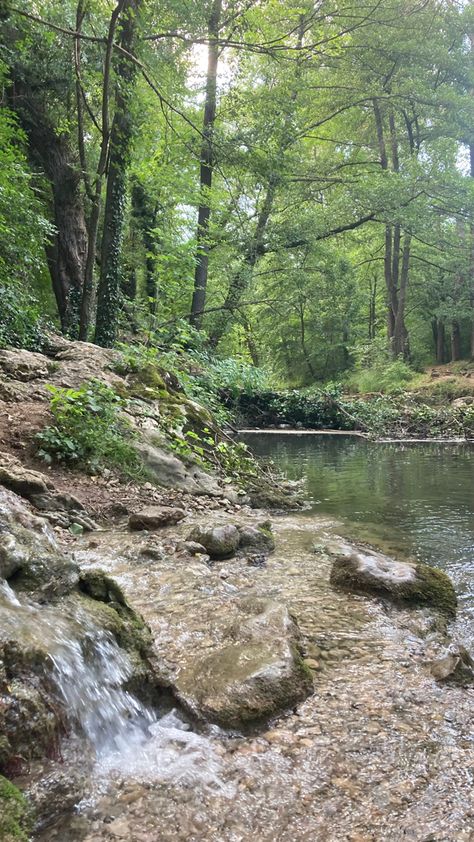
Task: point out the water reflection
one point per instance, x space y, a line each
416 498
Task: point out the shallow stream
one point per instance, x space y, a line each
380 752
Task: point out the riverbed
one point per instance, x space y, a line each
380 752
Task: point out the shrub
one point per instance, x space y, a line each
88 430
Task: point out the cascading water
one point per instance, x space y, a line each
90 676
89 673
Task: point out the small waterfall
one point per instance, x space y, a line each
89 673
90 676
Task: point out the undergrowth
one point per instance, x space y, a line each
89 430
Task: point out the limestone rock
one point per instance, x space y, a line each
23 365
407 582
256 672
153 517
171 472
22 481
456 667
193 548
218 541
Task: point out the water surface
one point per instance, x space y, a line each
416 499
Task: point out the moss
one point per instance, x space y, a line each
116 617
15 813
428 585
436 587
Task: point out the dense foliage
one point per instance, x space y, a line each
294 180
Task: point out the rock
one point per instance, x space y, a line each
312 663
456 667
23 365
255 673
15 813
171 472
267 497
462 403
218 541
259 537
256 559
29 554
55 796
193 548
153 517
22 481
407 582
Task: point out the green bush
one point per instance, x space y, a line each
88 430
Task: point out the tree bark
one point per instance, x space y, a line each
145 213
96 189
198 304
108 296
440 339
455 341
67 250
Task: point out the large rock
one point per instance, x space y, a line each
171 472
29 554
153 517
256 672
455 667
412 583
219 541
23 365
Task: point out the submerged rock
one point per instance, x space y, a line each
256 672
456 667
408 582
153 517
218 541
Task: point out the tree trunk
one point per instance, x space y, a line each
455 341
400 346
66 252
108 295
241 280
204 214
439 334
145 213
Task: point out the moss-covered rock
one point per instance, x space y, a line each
15 813
256 672
411 583
219 541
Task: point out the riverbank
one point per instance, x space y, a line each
265 703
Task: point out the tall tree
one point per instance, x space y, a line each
206 168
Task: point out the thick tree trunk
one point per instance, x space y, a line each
207 163
400 345
108 295
66 252
396 280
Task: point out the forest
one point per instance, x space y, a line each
288 184
236 420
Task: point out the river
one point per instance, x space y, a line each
380 752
